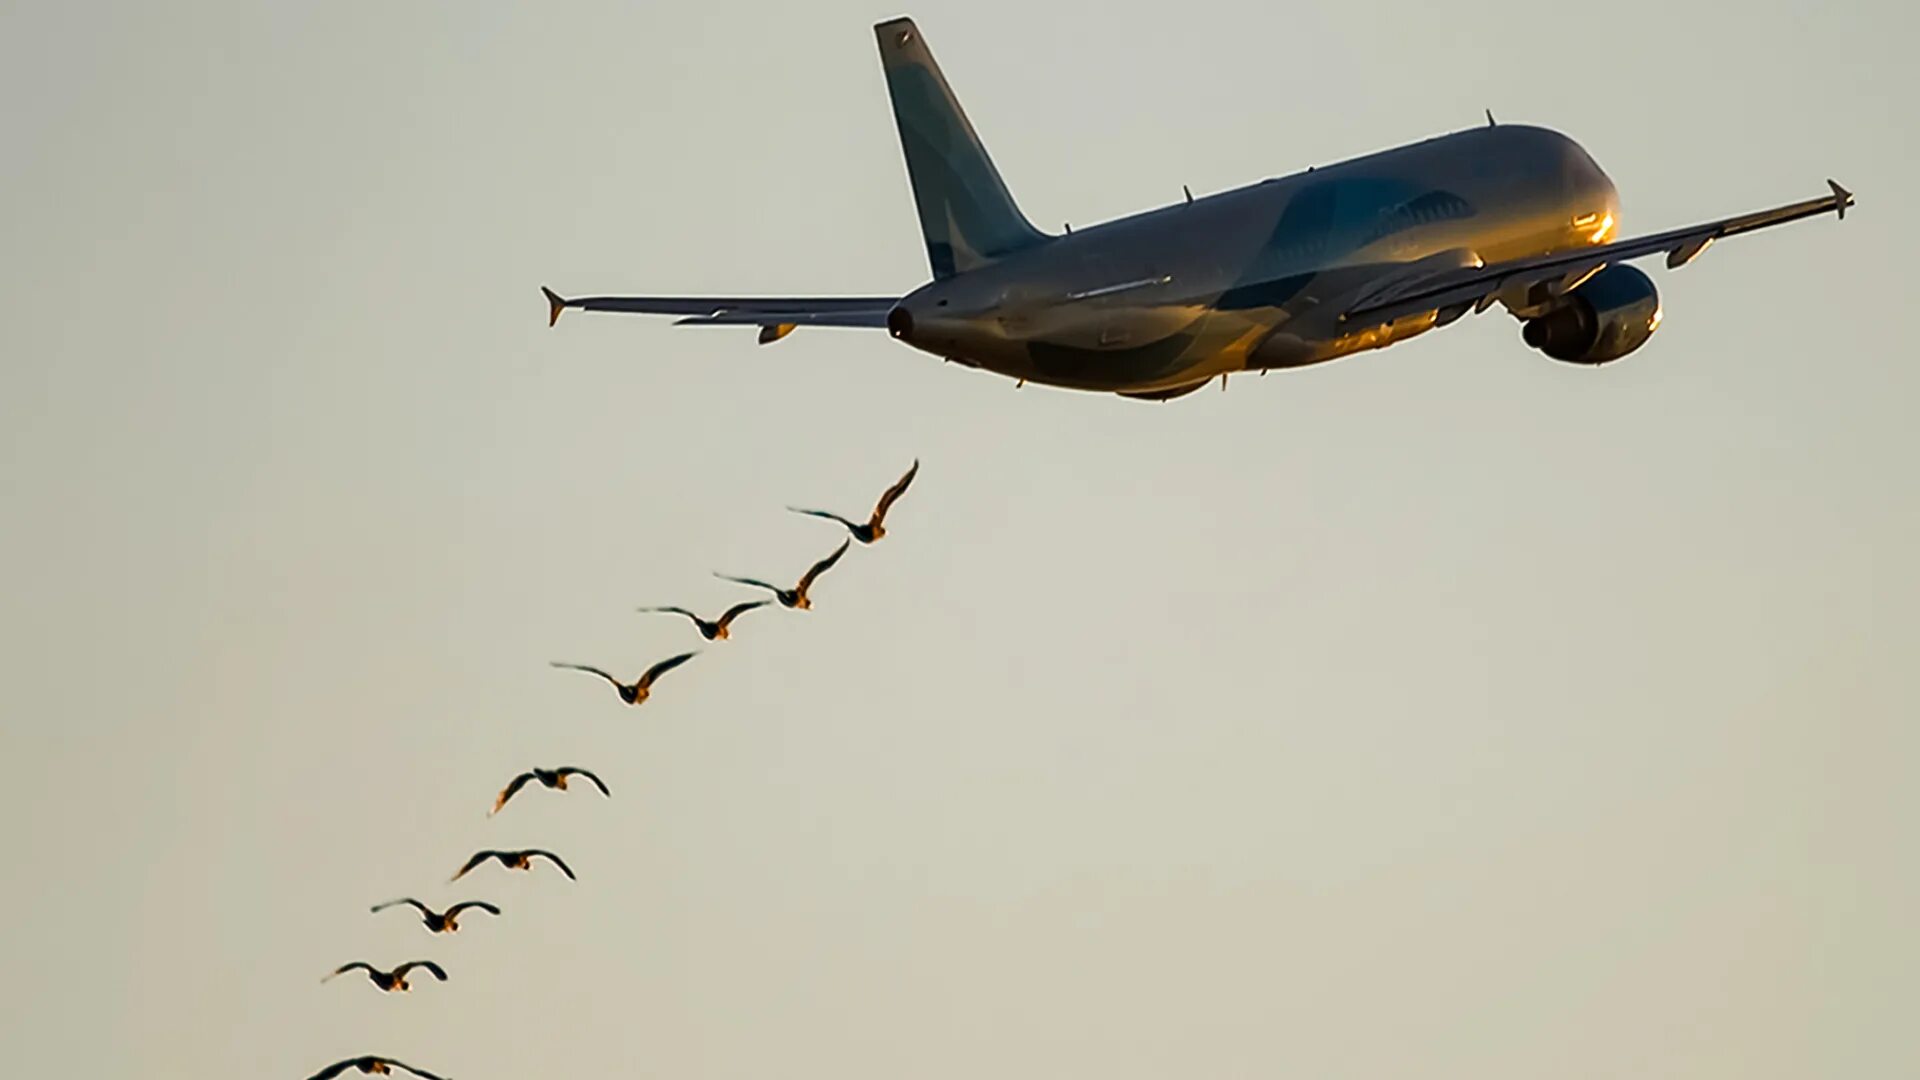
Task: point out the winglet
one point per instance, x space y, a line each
1842 198
555 305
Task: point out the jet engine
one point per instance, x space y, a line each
1608 316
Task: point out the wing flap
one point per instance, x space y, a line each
1566 269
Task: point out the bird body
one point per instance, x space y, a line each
874 527
439 922
640 689
551 778
514 860
795 597
394 981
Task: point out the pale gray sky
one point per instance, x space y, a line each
1442 712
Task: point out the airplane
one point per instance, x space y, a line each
1288 272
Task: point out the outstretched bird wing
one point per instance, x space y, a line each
465 904
828 514
823 566
737 610
575 770
513 788
555 859
333 1070
893 493
670 611
665 666
436 970
357 965
478 858
422 908
424 1074
755 582
586 668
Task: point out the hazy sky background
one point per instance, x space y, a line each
1442 712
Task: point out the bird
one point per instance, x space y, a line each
795 597
390 981
514 860
553 778
371 1064
635 692
717 629
874 528
444 922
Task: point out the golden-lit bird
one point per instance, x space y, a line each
795 597
635 692
394 981
717 629
875 526
440 922
514 860
553 778
371 1064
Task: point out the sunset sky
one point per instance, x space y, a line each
1441 713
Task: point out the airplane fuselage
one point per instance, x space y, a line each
1254 277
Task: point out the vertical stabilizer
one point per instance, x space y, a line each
966 214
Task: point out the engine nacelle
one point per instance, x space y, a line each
1611 314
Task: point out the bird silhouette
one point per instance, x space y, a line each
795 597
717 629
553 778
635 692
371 1064
441 922
875 526
514 860
394 981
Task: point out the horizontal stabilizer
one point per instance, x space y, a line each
861 311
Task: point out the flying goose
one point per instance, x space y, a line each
514 860
795 597
635 692
874 528
390 981
717 629
553 778
444 922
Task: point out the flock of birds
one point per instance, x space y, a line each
636 692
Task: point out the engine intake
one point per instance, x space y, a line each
1611 314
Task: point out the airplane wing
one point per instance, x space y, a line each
1563 270
765 312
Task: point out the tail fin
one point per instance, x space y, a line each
966 214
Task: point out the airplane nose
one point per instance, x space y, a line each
900 322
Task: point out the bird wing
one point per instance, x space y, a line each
357 965
555 859
478 858
893 493
575 770
508 792
437 971
586 668
417 1072
671 611
333 1070
828 514
465 904
422 908
755 582
823 566
737 610
665 666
